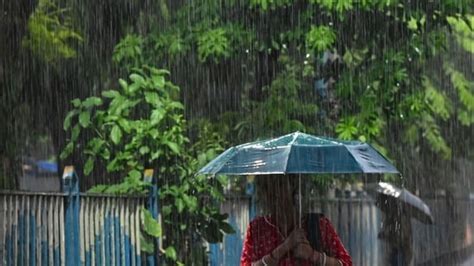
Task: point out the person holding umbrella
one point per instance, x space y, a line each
398 206
277 239
286 236
396 232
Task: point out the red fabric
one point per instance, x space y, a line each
262 237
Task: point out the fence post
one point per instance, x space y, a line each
70 186
153 207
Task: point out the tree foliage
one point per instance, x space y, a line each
141 125
50 33
353 69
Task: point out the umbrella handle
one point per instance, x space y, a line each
300 207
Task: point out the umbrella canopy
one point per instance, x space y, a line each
415 206
299 153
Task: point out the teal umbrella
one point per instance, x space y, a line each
299 153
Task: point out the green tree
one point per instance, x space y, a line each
140 126
256 67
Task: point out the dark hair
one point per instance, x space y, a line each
267 186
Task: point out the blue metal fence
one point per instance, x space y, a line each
34 230
71 228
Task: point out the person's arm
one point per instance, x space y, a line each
334 246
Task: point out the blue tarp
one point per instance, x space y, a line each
47 166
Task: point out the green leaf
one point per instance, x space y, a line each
98 189
202 159
154 133
436 100
158 81
137 78
128 52
113 165
156 155
67 151
173 146
191 202
85 119
150 225
347 128
110 94
158 72
144 150
320 38
146 245
135 174
343 5
124 85
134 87
432 134
157 115
67 120
125 125
92 101
465 117
152 98
76 130
105 154
463 31
179 203
170 252
116 134
223 179
412 24
166 210
463 86
76 102
95 144
213 44
89 166
176 105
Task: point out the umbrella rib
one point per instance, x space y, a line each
353 158
361 166
383 157
289 153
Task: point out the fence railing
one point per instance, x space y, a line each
72 228
33 230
